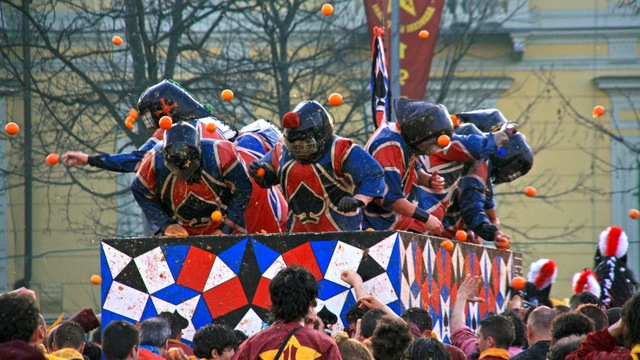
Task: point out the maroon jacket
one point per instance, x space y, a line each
599 345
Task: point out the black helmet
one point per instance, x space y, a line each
487 120
516 161
168 98
182 150
421 123
307 131
468 129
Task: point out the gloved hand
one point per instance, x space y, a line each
257 174
349 204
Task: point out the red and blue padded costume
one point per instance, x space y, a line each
223 184
450 163
267 210
470 200
313 190
400 168
128 161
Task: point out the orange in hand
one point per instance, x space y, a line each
518 282
96 279
165 122
11 128
447 245
52 159
216 215
461 235
227 95
335 99
260 172
444 140
327 9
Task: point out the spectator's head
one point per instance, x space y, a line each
613 315
390 338
426 348
630 314
572 323
92 351
156 332
120 341
495 331
369 322
353 314
240 338
594 313
539 324
519 329
69 335
584 297
351 348
214 341
96 336
293 290
18 317
561 309
564 347
176 322
420 317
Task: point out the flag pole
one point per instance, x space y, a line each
394 57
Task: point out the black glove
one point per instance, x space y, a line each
421 215
349 204
254 167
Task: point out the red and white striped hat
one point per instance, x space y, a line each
586 281
613 242
542 273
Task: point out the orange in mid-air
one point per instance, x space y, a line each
11 128
216 215
211 127
423 34
518 282
327 10
335 99
461 235
52 159
598 111
447 245
530 191
227 95
444 140
96 279
634 213
117 40
165 122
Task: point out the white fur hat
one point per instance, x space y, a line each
586 281
542 273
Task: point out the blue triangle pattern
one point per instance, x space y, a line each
232 257
175 256
328 289
394 269
175 294
149 309
349 302
415 288
107 279
323 250
201 316
267 255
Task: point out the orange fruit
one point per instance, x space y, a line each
11 128
96 279
423 34
327 10
129 126
447 245
369 229
503 245
518 282
530 191
227 95
216 215
598 111
461 235
444 140
165 122
335 99
211 127
634 213
117 40
260 172
52 159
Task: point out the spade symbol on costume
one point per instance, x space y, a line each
193 205
328 317
306 205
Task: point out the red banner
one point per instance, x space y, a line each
416 52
